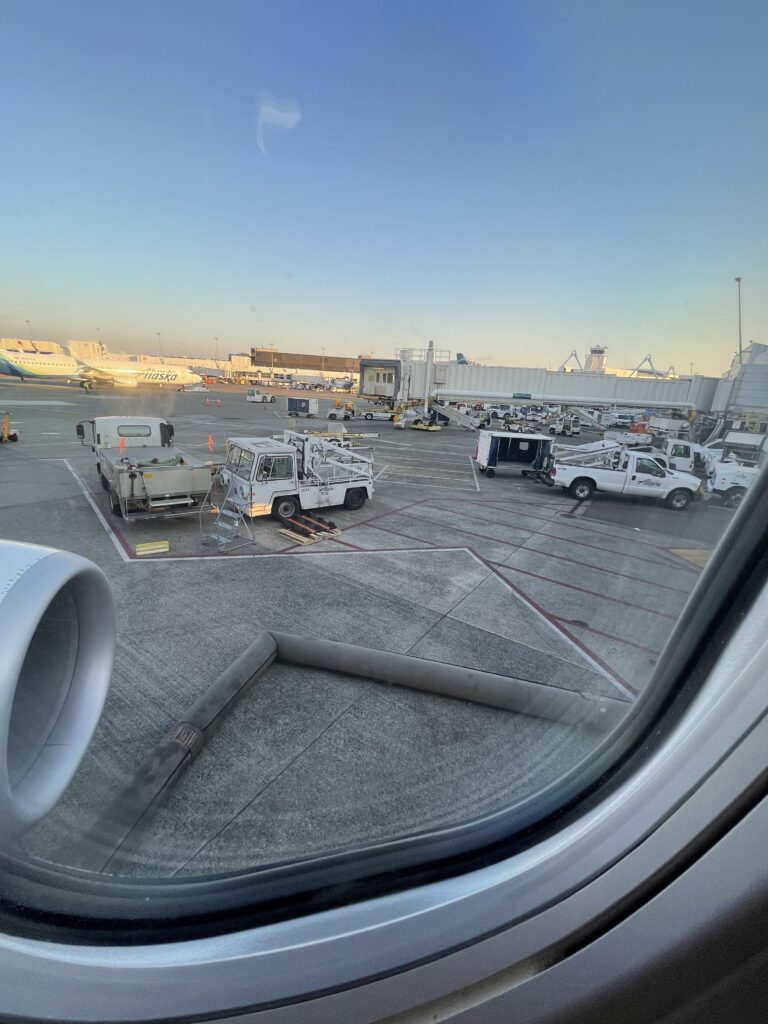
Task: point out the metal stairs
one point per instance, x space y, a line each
230 516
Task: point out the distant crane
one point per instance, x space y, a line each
573 356
669 374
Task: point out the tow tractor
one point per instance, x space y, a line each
145 476
263 476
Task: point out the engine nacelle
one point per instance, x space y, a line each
57 646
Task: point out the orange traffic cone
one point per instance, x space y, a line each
210 441
122 444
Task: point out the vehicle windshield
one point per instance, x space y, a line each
415 232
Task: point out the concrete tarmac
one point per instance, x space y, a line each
504 575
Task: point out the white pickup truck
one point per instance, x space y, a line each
626 472
137 464
731 481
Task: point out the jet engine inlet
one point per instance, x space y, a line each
57 645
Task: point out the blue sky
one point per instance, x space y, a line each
514 180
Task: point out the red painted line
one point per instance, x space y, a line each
569 526
565 540
474 533
597 568
379 515
608 636
557 624
397 533
592 593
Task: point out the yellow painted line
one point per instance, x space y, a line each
699 556
156 547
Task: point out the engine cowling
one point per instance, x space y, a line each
57 645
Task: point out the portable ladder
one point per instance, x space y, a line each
230 516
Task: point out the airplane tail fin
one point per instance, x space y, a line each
461 359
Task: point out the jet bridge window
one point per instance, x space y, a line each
134 430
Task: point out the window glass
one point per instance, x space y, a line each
498 202
649 466
233 457
133 430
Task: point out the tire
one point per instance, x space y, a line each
490 473
369 415
285 508
347 417
679 500
114 503
331 415
581 489
103 482
734 497
355 498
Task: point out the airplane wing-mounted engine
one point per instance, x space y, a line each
57 645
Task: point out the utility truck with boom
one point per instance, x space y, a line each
623 472
145 476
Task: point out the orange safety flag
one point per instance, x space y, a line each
210 441
122 444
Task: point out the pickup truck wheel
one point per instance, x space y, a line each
285 508
581 489
735 496
679 500
369 415
331 415
355 498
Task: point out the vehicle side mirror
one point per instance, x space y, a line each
80 431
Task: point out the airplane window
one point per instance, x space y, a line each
426 649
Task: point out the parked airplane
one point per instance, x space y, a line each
38 364
130 375
52 365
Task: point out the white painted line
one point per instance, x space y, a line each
100 516
380 472
474 474
432 487
51 433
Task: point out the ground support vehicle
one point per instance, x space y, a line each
302 406
730 482
7 431
145 476
255 395
496 447
567 426
625 472
263 476
193 387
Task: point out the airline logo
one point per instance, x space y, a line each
168 375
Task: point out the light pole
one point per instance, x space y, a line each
29 331
322 371
217 352
159 344
101 343
738 285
